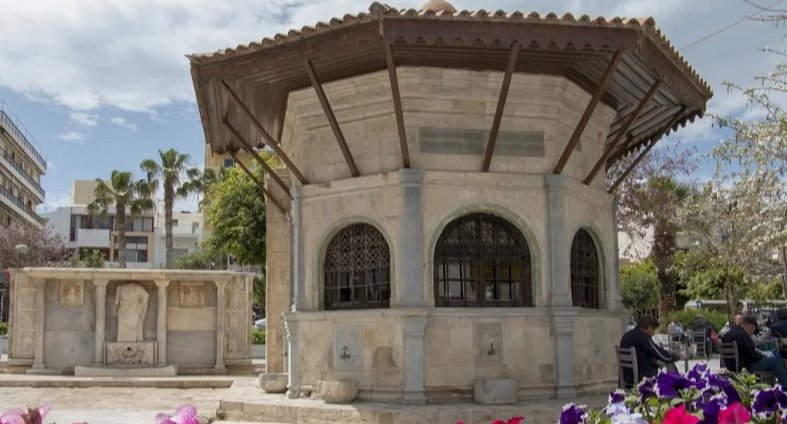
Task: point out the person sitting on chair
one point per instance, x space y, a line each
750 357
675 330
649 354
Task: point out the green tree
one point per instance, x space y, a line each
87 259
177 179
200 259
639 286
127 196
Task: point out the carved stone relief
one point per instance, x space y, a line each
72 293
192 295
131 301
131 354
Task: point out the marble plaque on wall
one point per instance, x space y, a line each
131 354
348 347
72 293
192 295
488 337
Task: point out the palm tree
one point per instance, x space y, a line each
126 195
178 181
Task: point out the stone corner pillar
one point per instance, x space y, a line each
221 305
294 377
563 325
100 321
298 289
413 334
557 239
614 302
161 323
410 293
38 358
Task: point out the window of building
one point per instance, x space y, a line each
357 269
482 260
584 271
141 224
229 162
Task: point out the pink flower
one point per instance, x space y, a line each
186 414
735 414
513 420
678 415
18 416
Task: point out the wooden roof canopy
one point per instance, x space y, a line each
625 63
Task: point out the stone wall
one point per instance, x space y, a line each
595 362
277 274
55 325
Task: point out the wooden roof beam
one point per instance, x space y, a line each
326 106
645 151
247 146
501 105
591 107
631 118
397 103
268 139
260 185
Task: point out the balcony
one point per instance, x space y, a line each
19 207
185 230
11 164
20 135
92 238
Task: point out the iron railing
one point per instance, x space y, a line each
20 204
21 170
13 126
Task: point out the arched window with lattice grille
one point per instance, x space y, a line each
357 269
585 285
482 260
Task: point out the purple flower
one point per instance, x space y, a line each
711 409
769 401
669 384
573 414
186 414
18 416
724 385
646 389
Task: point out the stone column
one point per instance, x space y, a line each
161 323
100 321
614 300
563 314
221 301
298 278
293 378
413 332
411 291
38 359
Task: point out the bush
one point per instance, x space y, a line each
718 319
258 337
3 328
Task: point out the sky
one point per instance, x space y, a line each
102 85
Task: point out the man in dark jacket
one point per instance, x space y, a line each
750 357
779 328
649 354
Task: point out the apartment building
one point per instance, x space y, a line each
187 234
21 168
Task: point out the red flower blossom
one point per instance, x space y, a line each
678 415
735 414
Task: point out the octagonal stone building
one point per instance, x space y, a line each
443 215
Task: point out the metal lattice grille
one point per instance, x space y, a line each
357 269
584 271
482 260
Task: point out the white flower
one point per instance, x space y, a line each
625 418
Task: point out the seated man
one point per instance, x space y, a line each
751 358
675 330
649 354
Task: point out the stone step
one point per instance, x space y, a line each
14 380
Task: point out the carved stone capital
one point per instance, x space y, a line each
162 284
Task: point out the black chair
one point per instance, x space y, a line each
729 350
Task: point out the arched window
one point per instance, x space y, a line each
357 269
482 260
584 271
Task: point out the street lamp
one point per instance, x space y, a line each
21 250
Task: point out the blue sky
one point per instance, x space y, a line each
104 85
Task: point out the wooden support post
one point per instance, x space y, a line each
397 103
260 185
247 146
644 152
268 139
501 105
591 107
612 146
326 107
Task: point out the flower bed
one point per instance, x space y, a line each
186 414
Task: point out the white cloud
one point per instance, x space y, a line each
51 166
84 119
122 122
74 136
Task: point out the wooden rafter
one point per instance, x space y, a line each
247 146
501 105
274 144
591 107
645 151
260 184
623 130
326 106
389 59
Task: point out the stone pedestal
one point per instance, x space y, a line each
131 354
413 332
